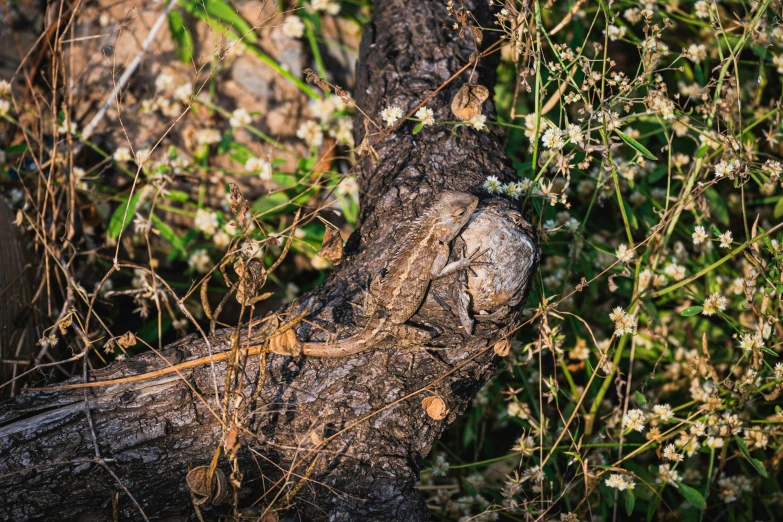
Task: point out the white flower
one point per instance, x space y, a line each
725 239
221 239
293 27
333 8
774 168
64 128
664 412
426 116
751 341
479 122
239 118
634 420
514 190
553 138
122 154
633 15
702 9
698 429
670 453
492 185
724 169
623 253
714 302
260 165
142 154
200 261
668 475
697 52
206 221
164 81
440 467
5 88
615 32
207 136
624 323
342 130
518 409
619 482
574 132
675 271
183 92
572 225
391 115
714 442
320 263
699 235
311 133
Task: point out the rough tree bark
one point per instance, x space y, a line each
152 430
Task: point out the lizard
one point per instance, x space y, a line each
421 258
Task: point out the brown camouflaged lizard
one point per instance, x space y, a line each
422 257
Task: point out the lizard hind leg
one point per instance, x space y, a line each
371 297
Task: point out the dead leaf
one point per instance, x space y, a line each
285 343
238 204
65 323
332 246
127 340
502 348
311 77
231 445
466 105
435 407
315 438
197 480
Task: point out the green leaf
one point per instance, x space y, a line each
699 74
659 172
168 234
149 331
640 400
718 206
692 310
629 502
692 496
757 464
652 507
223 12
115 224
181 36
17 149
631 216
635 144
715 230
778 211
177 195
417 128
239 153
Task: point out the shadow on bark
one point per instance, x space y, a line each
367 408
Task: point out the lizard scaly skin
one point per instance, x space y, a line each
422 257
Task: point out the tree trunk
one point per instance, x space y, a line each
365 411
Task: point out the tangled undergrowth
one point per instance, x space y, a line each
646 378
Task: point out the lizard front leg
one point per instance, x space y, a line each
440 269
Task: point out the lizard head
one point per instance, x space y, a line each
452 211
